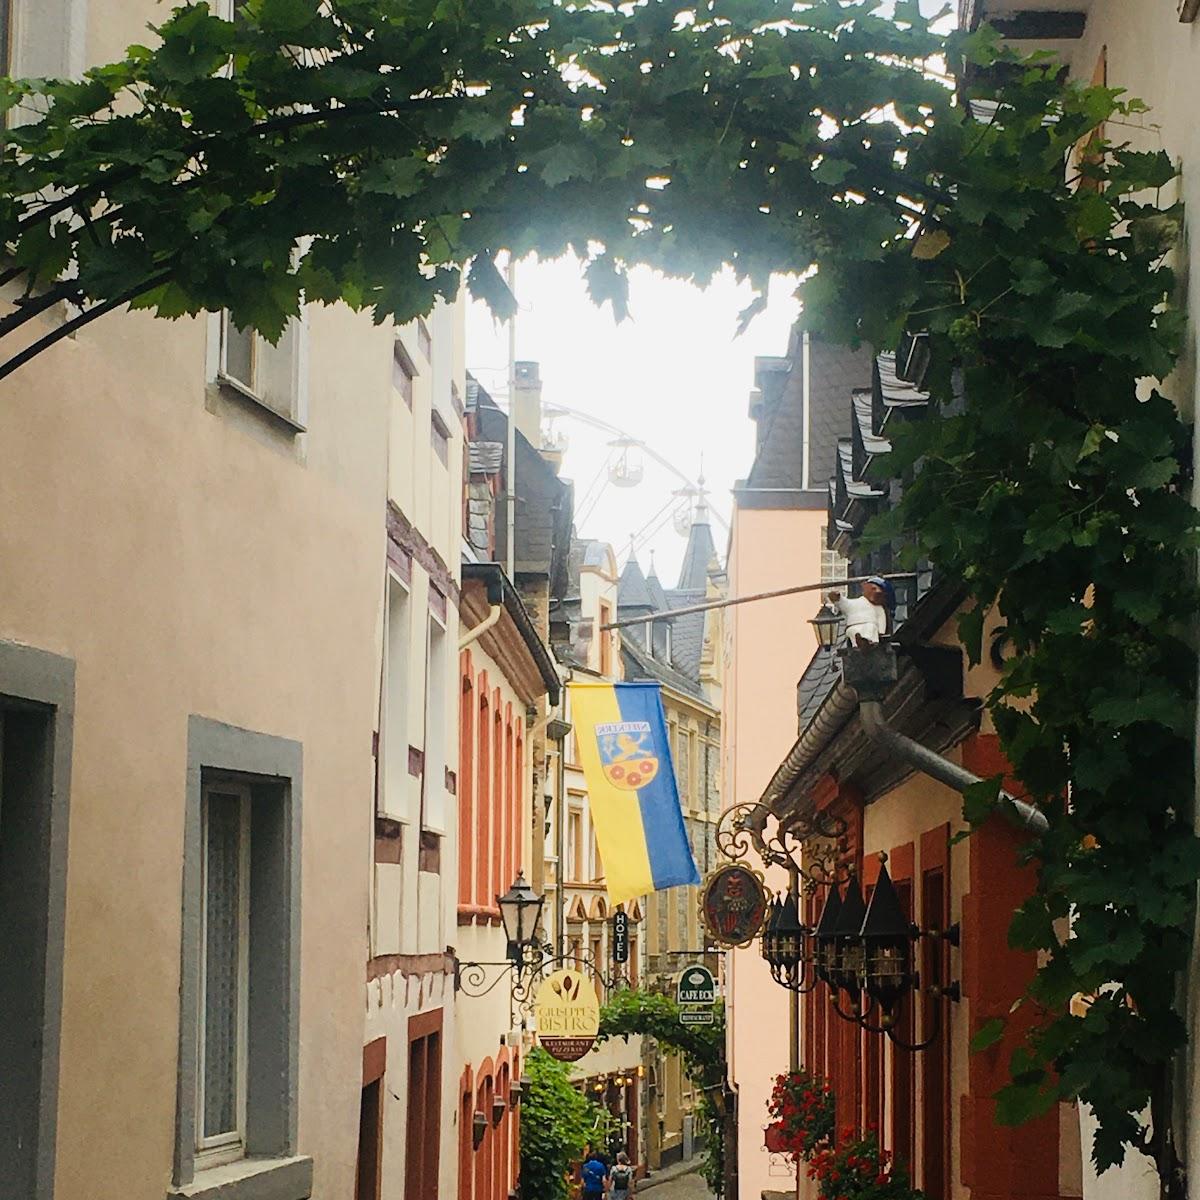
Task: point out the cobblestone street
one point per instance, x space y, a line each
682 1187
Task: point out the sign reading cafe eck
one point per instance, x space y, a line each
567 1014
696 993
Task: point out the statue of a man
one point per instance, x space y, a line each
868 617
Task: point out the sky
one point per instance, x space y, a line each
673 376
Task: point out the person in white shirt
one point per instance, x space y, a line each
868 617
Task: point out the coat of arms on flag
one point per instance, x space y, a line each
627 753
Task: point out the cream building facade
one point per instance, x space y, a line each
193 546
684 655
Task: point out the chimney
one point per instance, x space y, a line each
527 402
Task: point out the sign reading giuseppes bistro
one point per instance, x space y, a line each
733 904
567 1014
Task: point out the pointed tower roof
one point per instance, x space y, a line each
657 594
701 549
632 590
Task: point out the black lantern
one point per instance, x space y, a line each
826 624
789 937
520 910
847 934
826 957
886 938
770 940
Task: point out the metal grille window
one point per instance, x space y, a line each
225 913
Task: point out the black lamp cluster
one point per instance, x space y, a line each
861 952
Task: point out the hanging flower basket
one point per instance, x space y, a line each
802 1106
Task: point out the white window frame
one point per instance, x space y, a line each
402 810
297 418
434 774
230 1146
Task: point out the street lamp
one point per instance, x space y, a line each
520 910
826 624
826 957
850 955
887 936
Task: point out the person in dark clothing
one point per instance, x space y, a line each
621 1178
593 1175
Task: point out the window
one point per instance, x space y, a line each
424 1106
224 975
439 436
394 800
683 763
574 844
239 991
403 372
273 376
424 341
605 636
436 670
36 701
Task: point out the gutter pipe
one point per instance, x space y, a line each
482 628
868 674
930 763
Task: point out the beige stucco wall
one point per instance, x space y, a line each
769 643
191 565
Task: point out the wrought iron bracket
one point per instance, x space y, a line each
813 846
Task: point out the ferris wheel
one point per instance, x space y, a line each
624 467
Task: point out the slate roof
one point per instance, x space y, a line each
632 591
545 503
835 371
640 665
656 589
700 552
687 631
819 679
486 458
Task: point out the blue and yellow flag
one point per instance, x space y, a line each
622 738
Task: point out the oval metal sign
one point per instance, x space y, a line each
567 1014
733 904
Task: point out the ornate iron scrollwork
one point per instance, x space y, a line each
812 845
477 979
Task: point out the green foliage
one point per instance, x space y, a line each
557 1125
366 150
633 1011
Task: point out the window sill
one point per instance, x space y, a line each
251 1179
234 388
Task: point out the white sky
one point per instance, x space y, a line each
673 375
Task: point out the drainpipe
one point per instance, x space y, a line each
871 671
482 628
934 765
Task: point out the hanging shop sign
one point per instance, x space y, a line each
567 1014
620 937
696 985
733 904
696 993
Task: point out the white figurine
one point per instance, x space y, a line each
869 616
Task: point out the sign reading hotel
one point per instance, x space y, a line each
733 904
620 937
567 1014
